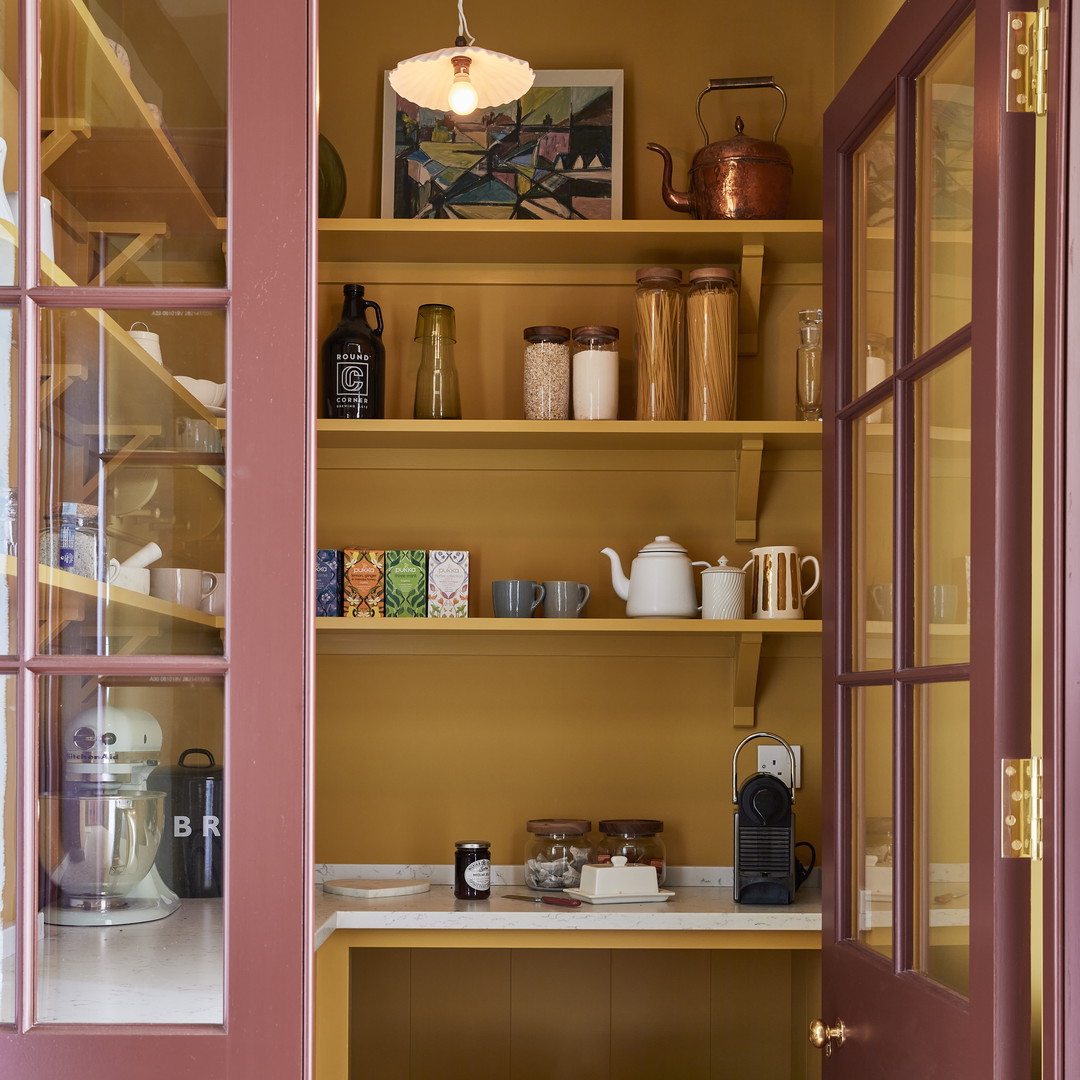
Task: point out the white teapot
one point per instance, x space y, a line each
661 582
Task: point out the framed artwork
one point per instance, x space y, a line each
554 154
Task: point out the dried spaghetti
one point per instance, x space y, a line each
660 314
712 334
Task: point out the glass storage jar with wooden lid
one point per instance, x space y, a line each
712 343
556 851
638 839
659 344
547 372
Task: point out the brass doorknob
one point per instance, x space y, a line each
823 1037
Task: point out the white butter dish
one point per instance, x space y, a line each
615 878
620 898
374 888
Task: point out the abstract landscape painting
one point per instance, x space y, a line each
554 154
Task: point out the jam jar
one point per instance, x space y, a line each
638 839
472 869
556 851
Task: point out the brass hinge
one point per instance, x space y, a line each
1027 61
1021 808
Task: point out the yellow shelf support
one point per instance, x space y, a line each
750 269
748 483
747 659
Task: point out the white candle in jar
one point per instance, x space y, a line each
596 384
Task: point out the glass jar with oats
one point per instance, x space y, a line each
659 344
712 343
547 373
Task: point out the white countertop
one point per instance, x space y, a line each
691 908
168 971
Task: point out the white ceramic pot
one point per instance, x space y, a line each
723 591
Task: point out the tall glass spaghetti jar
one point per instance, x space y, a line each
712 343
659 344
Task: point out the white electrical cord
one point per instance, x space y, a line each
463 25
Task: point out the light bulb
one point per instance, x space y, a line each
462 98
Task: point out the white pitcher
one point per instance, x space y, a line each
776 589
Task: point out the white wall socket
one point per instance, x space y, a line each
774 759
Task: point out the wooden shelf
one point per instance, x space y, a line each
129 618
661 241
566 434
577 628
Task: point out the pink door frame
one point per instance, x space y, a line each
268 666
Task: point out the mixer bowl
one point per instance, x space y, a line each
97 848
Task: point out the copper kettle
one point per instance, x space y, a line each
735 178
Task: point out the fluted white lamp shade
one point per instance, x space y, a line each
426 79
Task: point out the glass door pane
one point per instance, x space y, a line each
8 930
943 144
942 822
9 493
133 126
132 541
872 816
873 474
942 518
9 140
130 843
873 257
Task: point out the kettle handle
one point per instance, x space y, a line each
751 82
196 750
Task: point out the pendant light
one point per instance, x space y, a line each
462 78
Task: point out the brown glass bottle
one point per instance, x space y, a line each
354 362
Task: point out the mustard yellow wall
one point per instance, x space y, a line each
668 54
857 26
627 731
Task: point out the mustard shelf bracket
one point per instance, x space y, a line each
748 484
144 236
64 132
753 256
747 658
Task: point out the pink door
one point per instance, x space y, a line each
929 218
154 467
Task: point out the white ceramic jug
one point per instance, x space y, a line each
776 590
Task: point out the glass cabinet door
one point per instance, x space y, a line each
132 492
930 205
134 682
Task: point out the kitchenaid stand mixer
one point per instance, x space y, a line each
99 836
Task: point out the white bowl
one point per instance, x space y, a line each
211 394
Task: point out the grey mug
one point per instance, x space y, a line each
516 599
564 599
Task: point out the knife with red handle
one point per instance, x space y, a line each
554 901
